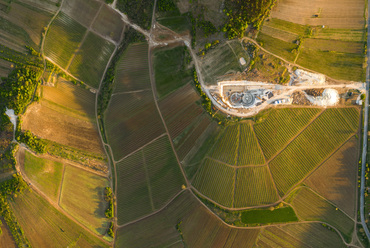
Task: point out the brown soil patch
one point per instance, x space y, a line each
62 128
336 178
331 13
314 92
300 98
6 238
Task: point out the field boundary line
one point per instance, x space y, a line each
147 180
88 29
319 165
130 92
330 202
258 142
235 166
155 212
314 118
61 185
143 146
273 182
271 225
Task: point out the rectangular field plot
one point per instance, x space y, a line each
216 180
73 9
331 13
49 121
163 171
310 148
44 173
278 126
254 186
213 66
147 180
75 98
82 196
347 66
334 45
132 70
277 46
91 60
171 68
132 121
336 178
45 226
299 235
109 23
63 38
266 216
310 206
226 147
133 196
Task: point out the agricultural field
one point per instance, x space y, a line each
199 228
172 69
168 15
90 9
62 39
45 226
132 121
132 71
320 139
82 196
25 22
74 98
274 128
336 179
91 60
109 24
318 36
265 216
216 181
238 146
148 178
213 66
49 121
298 235
310 206
44 173
254 186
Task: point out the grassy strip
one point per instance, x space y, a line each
266 216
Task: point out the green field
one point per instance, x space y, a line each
276 127
216 181
277 46
310 206
147 180
139 12
287 26
176 23
311 147
45 174
63 38
266 216
171 69
254 186
82 196
132 71
347 66
91 60
238 146
45 226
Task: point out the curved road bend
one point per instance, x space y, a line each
364 148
